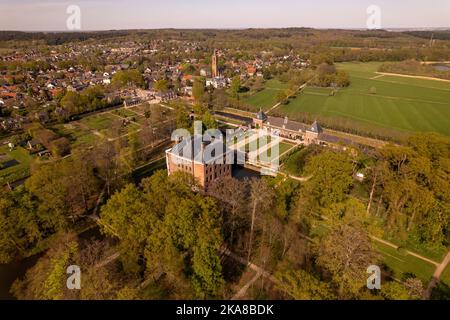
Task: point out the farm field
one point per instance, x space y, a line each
400 103
14 165
266 98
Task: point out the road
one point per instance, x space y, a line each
436 277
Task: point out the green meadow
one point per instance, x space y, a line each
400 263
266 98
396 102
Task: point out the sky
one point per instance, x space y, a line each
51 15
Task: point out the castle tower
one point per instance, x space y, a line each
215 64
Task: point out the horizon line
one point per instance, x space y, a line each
388 29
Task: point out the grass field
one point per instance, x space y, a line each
266 98
18 171
445 278
78 135
284 147
87 131
401 103
400 263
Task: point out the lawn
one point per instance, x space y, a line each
103 124
87 131
282 148
285 147
124 113
445 278
19 168
79 136
100 122
266 98
400 262
400 103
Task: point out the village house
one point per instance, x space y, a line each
217 82
165 96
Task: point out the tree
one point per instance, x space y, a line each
233 195
208 121
64 190
331 178
182 119
302 285
161 85
106 160
125 78
198 90
394 291
47 279
414 190
261 196
281 96
346 253
70 102
235 87
220 99
414 287
19 225
124 216
342 79
350 210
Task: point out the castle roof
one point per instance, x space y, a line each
261 115
316 128
195 149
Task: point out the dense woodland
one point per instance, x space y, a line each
172 235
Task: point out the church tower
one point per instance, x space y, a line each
215 64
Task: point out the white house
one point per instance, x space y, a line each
217 82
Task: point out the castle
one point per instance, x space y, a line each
289 129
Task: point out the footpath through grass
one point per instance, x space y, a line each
400 263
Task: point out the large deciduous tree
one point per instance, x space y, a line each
346 253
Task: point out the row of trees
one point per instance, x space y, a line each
75 103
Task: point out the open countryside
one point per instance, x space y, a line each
407 104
